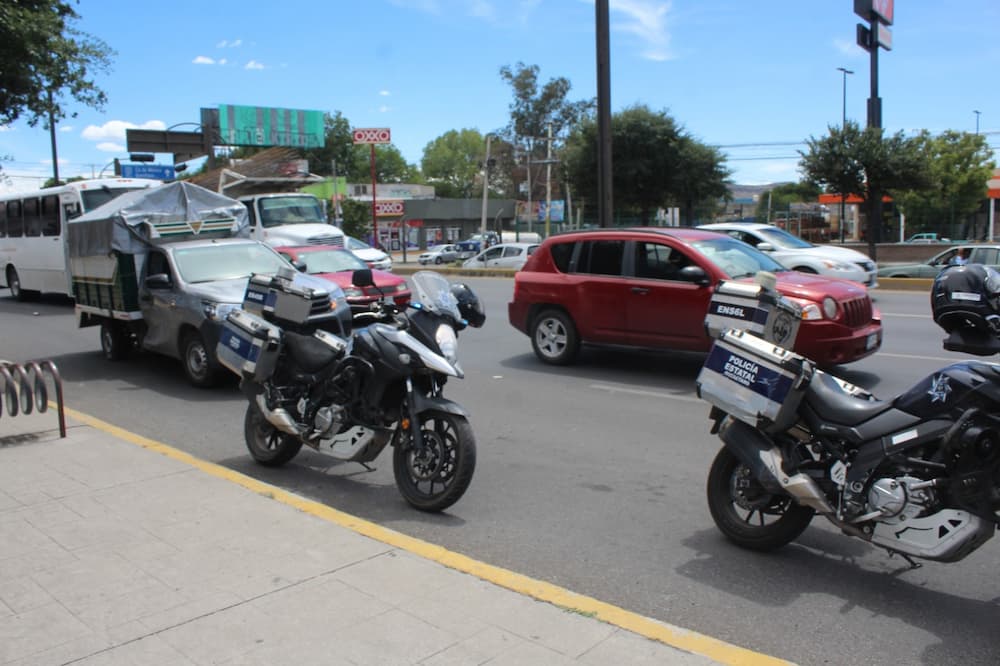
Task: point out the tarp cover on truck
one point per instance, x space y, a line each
133 221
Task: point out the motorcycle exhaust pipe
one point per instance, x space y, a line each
279 417
764 459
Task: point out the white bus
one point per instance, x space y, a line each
34 235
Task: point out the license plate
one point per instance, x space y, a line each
871 342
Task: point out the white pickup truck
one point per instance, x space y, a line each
290 218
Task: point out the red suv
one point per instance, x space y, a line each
650 287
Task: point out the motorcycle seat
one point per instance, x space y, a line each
308 353
834 405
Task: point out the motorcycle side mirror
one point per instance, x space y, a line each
694 274
363 278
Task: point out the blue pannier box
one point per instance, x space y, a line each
249 345
753 380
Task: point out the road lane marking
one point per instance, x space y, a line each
668 634
611 388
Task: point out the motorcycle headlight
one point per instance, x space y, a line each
447 342
218 311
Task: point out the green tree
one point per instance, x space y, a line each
959 164
357 218
656 164
533 110
453 162
781 197
43 57
866 163
338 147
390 165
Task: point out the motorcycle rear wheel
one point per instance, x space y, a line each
434 479
268 446
746 513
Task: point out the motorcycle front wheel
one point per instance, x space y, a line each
746 513
267 445
434 478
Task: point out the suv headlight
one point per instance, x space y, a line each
218 311
812 311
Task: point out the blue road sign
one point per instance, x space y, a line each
154 171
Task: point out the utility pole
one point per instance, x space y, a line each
52 137
548 183
486 192
531 211
604 195
843 124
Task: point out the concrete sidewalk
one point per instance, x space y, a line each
116 549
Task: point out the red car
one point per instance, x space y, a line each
650 287
338 265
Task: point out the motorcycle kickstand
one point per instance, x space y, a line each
913 564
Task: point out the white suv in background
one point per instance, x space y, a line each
800 255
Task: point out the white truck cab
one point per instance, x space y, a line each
290 218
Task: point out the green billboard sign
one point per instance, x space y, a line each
265 126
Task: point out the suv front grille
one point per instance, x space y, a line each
337 241
857 312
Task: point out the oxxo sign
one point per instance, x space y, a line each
372 135
392 208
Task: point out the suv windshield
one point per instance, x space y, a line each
736 258
276 211
226 262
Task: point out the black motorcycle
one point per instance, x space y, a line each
351 394
918 474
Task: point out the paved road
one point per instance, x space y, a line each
592 477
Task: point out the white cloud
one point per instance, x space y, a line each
110 147
66 128
384 93
482 9
6 128
384 109
647 20
225 43
223 61
114 130
253 64
428 6
203 60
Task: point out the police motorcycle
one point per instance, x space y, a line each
917 474
349 385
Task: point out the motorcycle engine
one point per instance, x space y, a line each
328 421
904 495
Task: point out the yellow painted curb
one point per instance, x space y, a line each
676 637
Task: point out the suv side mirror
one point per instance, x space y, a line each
694 274
159 281
765 247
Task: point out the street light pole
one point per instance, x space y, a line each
843 124
977 121
486 189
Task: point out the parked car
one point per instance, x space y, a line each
650 287
978 254
928 237
439 254
504 255
375 258
473 245
338 265
801 255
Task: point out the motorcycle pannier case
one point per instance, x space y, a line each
249 345
754 380
279 298
752 307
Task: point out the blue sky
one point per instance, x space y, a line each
755 78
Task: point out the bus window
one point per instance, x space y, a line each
32 217
15 225
50 216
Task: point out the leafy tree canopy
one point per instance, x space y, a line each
453 162
44 56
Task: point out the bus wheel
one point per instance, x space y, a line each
14 283
114 340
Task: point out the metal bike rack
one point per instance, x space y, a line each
34 394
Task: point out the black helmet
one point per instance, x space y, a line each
469 305
965 302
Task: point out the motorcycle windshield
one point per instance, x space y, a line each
433 292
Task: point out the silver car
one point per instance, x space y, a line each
439 254
189 287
